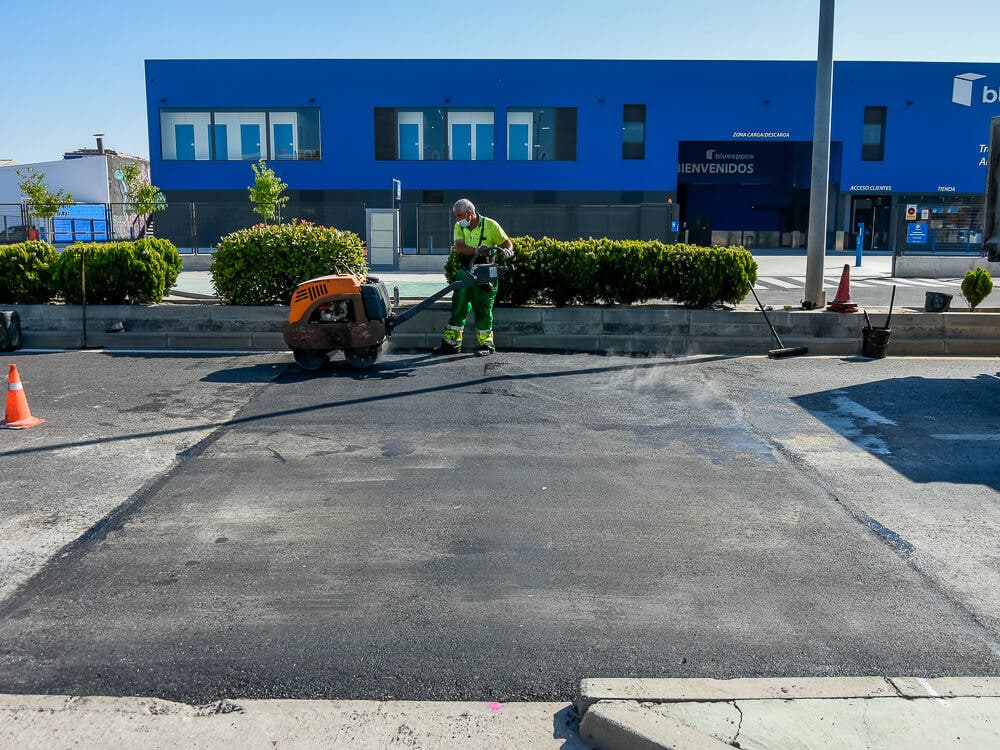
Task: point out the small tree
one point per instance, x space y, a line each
144 198
42 202
976 286
266 192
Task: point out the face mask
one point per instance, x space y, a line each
464 223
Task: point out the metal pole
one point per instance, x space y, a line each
819 199
83 288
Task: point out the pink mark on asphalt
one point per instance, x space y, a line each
495 706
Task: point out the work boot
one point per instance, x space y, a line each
484 343
446 347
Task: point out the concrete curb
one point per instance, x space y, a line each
654 329
620 713
625 725
703 690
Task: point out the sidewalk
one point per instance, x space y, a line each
58 721
846 713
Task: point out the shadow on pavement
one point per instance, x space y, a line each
927 429
383 371
566 726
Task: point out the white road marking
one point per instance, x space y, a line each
854 409
908 281
854 282
777 282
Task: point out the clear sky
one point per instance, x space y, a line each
73 68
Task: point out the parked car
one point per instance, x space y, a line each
18 233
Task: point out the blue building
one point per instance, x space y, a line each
539 143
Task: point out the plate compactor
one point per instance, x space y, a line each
354 314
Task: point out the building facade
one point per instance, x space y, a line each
541 143
94 179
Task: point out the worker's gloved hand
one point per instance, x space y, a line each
506 253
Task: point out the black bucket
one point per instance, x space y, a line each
874 341
10 331
937 302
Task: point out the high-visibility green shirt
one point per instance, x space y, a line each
487 233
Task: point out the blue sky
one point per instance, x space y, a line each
72 69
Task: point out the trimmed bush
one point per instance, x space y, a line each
263 264
170 256
976 286
26 272
137 272
622 272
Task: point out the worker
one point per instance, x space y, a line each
472 232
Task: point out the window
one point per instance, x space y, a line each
873 134
634 131
434 134
541 134
239 134
184 135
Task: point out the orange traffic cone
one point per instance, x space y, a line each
843 303
18 414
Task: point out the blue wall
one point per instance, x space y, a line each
930 141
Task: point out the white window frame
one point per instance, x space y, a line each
411 118
522 118
471 118
285 118
168 137
234 140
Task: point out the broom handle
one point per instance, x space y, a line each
892 299
761 307
867 319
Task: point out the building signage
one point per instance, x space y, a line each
871 188
916 233
911 211
925 214
719 162
776 163
760 134
968 89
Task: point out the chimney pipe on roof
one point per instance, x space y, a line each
100 142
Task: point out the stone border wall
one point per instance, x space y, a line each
622 330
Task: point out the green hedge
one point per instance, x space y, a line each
138 272
26 272
263 264
622 272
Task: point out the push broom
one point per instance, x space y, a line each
782 351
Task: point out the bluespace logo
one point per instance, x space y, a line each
963 90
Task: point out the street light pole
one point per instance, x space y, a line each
819 192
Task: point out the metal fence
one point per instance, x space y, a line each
77 222
192 227
197 227
13 225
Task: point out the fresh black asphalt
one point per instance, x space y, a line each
473 529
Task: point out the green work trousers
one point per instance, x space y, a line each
474 298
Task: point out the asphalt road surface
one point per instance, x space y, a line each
498 529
